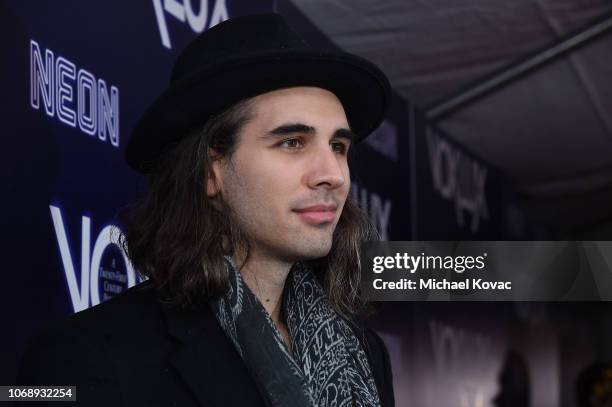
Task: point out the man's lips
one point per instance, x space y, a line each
317 214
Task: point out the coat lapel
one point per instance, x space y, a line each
212 369
207 361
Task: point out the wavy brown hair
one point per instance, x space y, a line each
176 236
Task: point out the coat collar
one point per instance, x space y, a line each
206 360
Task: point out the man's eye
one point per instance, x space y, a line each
292 143
340 148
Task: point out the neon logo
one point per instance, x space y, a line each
77 98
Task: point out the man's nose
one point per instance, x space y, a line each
325 169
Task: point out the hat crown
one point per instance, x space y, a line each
244 57
234 38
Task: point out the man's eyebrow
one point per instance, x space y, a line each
345 133
292 128
285 129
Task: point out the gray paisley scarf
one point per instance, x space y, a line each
327 365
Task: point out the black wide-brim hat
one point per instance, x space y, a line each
244 57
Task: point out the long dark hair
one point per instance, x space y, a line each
177 236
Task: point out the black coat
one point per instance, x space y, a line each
134 351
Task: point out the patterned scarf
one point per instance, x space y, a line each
327 365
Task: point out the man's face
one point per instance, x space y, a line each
288 178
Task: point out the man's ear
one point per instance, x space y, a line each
214 181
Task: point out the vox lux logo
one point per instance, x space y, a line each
95 273
184 11
458 178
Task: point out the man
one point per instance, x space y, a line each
246 235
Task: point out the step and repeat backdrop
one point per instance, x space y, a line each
76 77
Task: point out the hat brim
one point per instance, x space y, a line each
362 88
